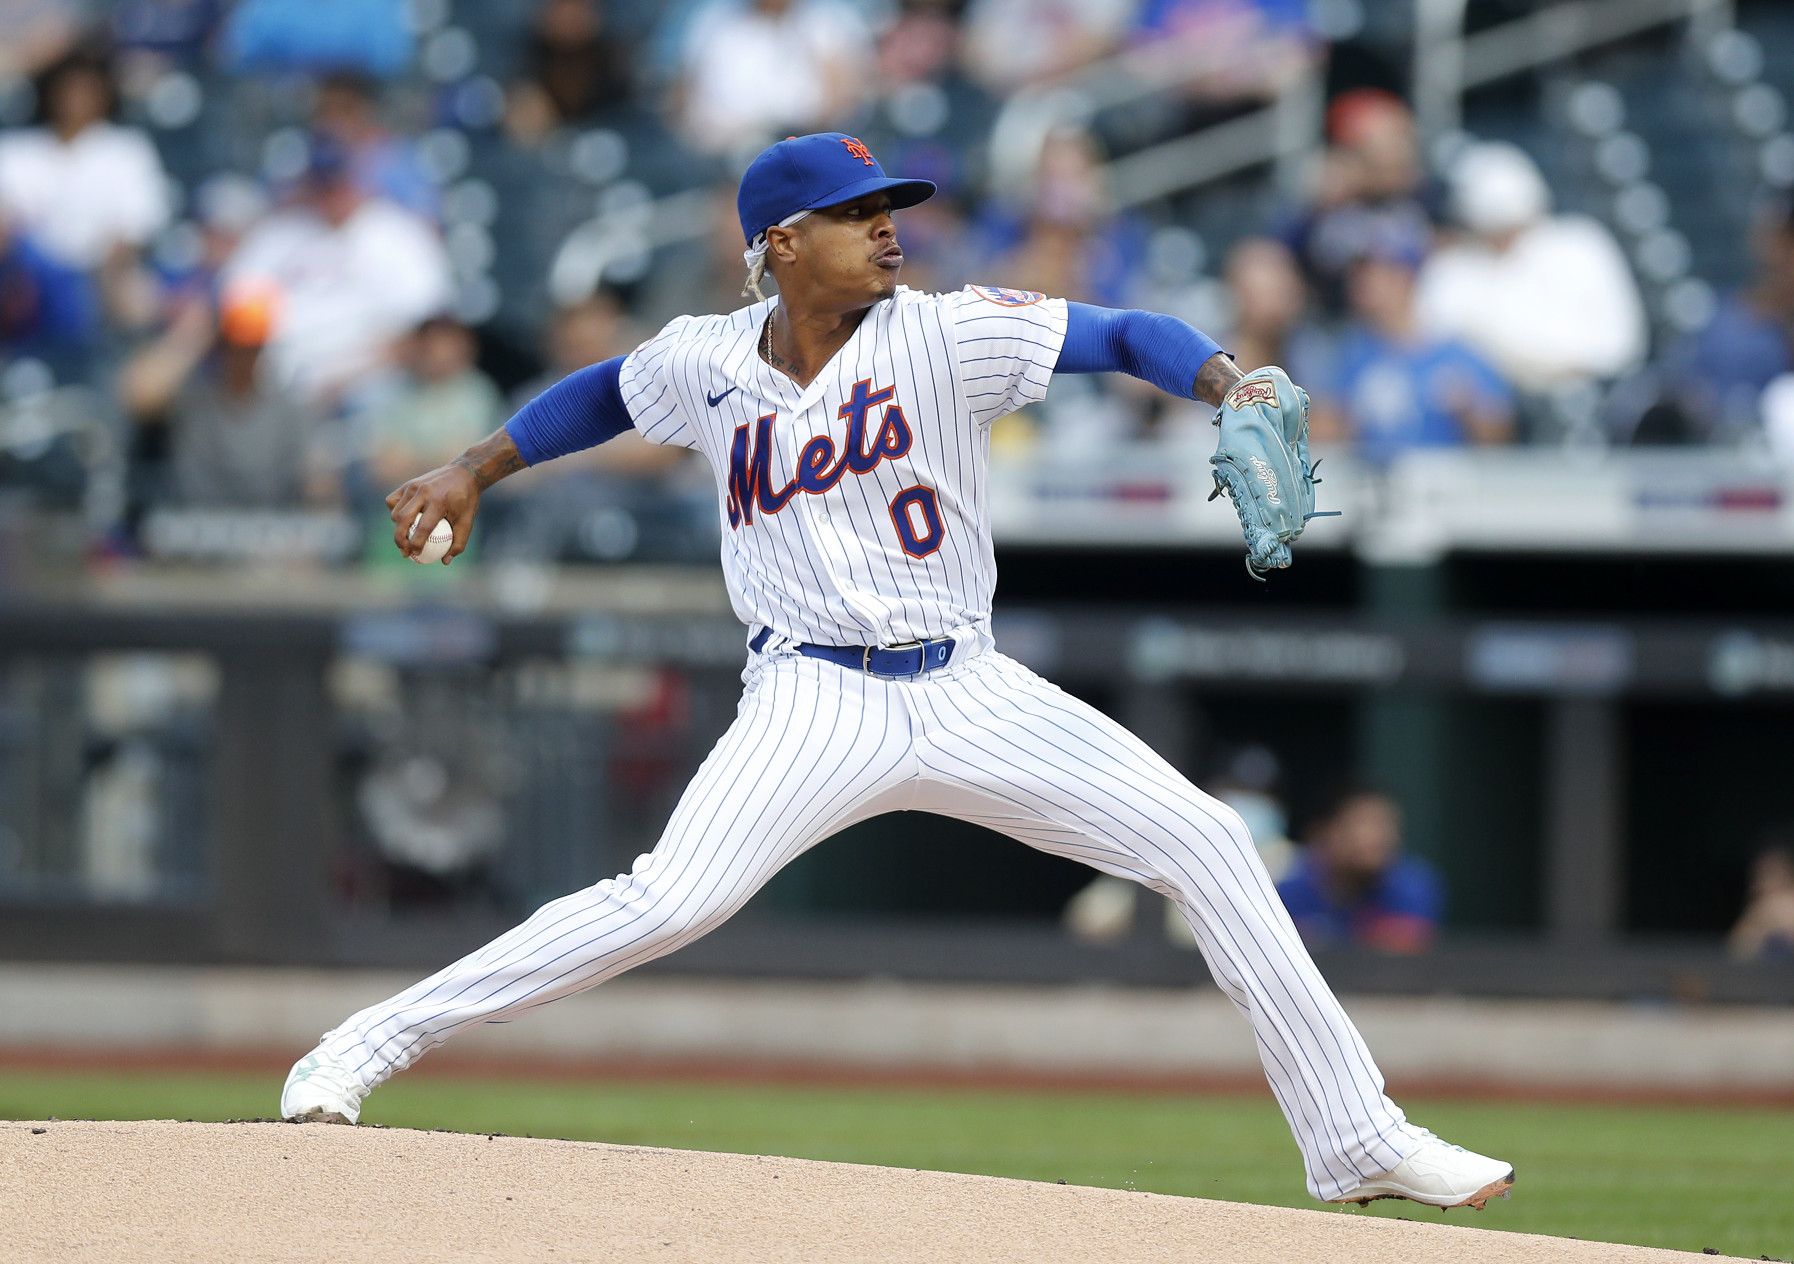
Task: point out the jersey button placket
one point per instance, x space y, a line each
828 539
817 505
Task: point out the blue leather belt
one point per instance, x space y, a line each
888 662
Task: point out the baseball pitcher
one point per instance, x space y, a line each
847 421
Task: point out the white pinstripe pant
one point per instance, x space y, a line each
816 748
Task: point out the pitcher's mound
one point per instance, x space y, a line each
166 1191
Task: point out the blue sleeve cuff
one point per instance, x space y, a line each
1147 345
580 411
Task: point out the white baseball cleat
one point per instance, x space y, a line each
1441 1175
321 1089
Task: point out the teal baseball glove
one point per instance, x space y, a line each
1262 463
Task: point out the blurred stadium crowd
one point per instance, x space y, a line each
281 254
261 261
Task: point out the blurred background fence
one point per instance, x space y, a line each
1535 262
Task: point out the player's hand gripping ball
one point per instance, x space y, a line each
436 546
1262 464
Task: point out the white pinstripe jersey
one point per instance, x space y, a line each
855 510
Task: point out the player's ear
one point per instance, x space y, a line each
781 243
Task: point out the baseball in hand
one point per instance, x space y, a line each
441 536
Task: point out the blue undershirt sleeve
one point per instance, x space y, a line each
1147 345
580 411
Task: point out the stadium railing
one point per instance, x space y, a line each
1447 63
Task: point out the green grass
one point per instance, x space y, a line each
1678 1177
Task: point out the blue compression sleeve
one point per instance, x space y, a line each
1155 348
580 411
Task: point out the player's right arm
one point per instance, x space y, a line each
580 411
451 491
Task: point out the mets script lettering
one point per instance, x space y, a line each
818 467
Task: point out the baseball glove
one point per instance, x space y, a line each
1262 463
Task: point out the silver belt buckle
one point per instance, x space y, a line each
866 661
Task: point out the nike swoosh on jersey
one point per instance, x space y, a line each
717 399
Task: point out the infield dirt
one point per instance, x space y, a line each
166 1191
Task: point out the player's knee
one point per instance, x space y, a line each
646 906
1230 822
1215 826
676 912
1230 829
673 921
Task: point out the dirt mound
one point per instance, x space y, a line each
166 1191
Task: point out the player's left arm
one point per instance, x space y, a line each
1261 461
1156 348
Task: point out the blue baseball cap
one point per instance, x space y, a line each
805 173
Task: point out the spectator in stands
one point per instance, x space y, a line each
542 516
444 405
1389 387
231 439
1371 184
1225 51
930 117
354 273
921 45
381 164
89 191
1713 382
318 35
765 68
575 67
1766 929
190 259
1549 299
1270 309
47 309
37 33
1011 44
1352 884
1070 245
227 206
581 335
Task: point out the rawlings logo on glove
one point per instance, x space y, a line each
1264 450
1252 390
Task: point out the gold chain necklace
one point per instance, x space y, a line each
766 340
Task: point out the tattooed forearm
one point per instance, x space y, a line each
491 459
1213 379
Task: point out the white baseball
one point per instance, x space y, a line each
441 536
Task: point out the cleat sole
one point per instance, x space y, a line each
1502 1188
319 1115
